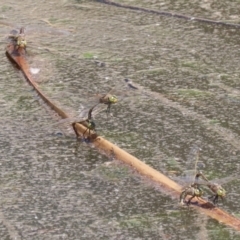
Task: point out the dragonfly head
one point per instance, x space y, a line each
112 99
21 42
221 192
91 125
198 192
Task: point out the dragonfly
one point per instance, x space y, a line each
18 38
88 123
124 90
87 114
35 37
85 118
121 92
193 190
39 42
109 100
215 186
92 106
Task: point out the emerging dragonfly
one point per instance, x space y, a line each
18 38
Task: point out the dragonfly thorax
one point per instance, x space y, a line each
91 125
198 192
112 99
221 192
108 99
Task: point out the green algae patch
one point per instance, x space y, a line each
88 55
214 121
135 222
193 93
192 65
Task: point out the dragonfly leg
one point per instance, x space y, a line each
75 130
108 109
182 197
85 132
189 201
214 199
89 133
211 197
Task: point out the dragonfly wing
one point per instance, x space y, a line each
183 180
98 109
225 180
201 182
81 116
69 120
192 157
14 32
123 89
